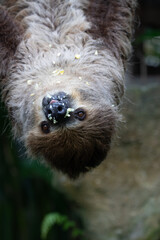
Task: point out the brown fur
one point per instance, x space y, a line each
10 37
77 150
112 20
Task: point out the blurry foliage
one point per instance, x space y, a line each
150 42
27 193
154 234
147 34
55 218
152 52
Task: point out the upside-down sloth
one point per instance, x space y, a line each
62 67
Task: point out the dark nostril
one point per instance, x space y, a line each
60 108
49 111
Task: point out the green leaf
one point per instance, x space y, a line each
77 232
68 224
55 218
49 221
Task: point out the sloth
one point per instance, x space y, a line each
62 70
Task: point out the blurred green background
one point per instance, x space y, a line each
27 192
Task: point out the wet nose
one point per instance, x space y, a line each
55 107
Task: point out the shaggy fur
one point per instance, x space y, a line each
37 38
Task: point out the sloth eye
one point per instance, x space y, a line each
45 127
80 114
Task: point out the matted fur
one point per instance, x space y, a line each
47 37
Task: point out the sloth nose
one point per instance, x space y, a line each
55 107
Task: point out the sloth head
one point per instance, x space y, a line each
72 131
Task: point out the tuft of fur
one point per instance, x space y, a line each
112 21
10 37
52 33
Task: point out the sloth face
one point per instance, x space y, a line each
73 135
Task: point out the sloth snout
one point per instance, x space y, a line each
55 107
